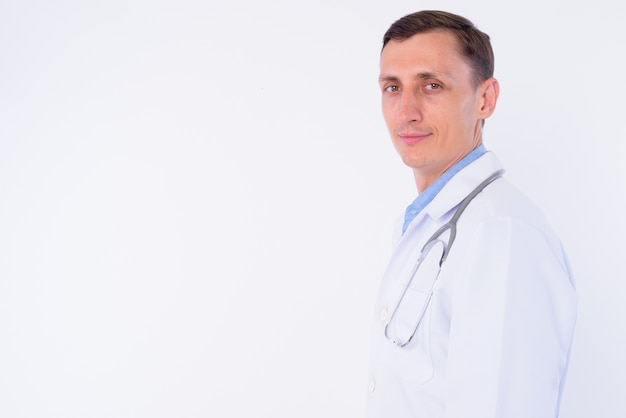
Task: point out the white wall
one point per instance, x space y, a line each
196 199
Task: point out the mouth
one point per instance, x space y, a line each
412 138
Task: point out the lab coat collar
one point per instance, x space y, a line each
462 184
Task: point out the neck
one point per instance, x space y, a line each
424 177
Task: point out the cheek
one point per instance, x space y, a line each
469 108
388 114
463 116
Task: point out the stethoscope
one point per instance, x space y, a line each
427 269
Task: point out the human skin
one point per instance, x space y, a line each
431 104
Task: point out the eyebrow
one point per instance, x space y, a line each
421 76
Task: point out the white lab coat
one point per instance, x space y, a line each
495 339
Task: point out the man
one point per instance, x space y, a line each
483 326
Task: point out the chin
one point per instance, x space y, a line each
413 162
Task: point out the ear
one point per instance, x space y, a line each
489 89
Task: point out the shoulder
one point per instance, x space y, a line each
502 217
503 201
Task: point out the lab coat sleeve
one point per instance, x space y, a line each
512 321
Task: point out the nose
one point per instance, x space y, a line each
409 107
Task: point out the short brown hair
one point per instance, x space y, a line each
475 45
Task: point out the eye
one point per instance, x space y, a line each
433 86
392 88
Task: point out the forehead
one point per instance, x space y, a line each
436 51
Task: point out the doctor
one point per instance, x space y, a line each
476 309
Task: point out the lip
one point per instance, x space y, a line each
412 138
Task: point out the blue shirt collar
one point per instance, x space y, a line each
431 191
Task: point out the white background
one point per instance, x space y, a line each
196 199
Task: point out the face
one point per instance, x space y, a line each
432 107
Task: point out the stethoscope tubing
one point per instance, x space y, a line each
451 225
